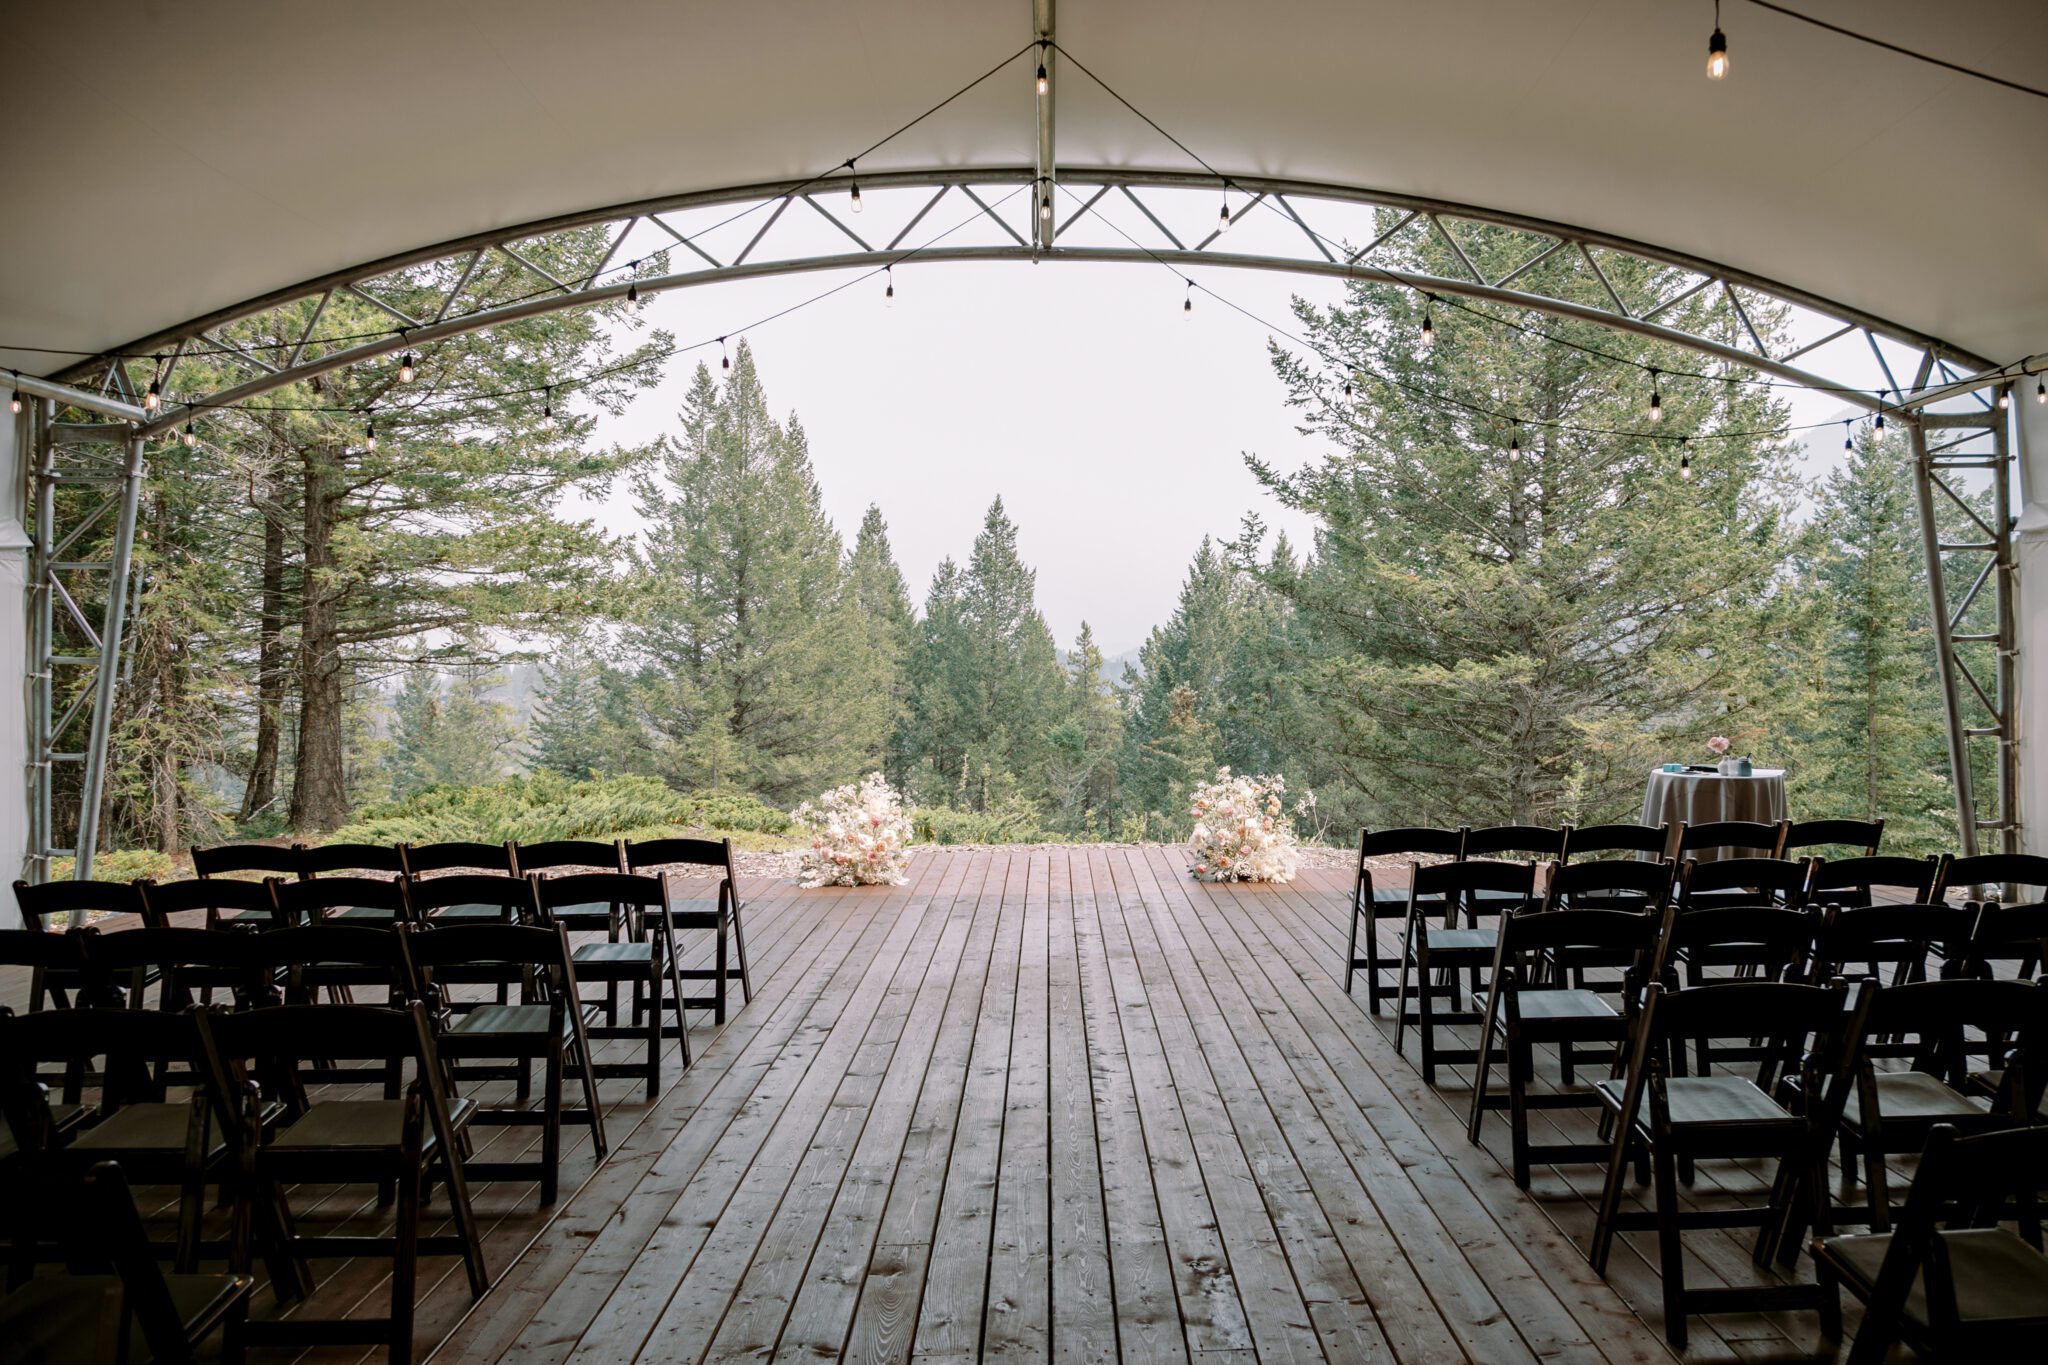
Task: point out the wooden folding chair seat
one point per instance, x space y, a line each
113 1302
1434 954
1732 882
119 1068
578 855
637 953
1661 1118
101 905
1652 842
1939 1026
1371 903
1528 1005
1950 1282
545 1026
218 902
395 1144
720 912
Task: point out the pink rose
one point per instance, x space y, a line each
1718 744
1201 867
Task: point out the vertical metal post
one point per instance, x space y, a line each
1042 225
41 628
2008 646
1944 645
107 681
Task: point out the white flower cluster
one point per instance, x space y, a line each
1241 835
860 835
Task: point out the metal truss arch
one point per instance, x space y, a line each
1897 349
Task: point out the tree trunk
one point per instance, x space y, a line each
319 796
271 671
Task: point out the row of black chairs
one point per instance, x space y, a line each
204 1098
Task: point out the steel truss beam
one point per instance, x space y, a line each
1080 195
1967 541
82 474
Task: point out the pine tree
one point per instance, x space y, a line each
566 734
757 666
878 590
1082 748
1514 622
447 736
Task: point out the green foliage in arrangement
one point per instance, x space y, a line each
550 806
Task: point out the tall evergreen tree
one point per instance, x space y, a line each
448 735
566 734
878 590
1082 748
758 668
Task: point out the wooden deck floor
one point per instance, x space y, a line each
1058 1105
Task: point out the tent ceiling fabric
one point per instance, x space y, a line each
167 160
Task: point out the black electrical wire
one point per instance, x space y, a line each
1914 54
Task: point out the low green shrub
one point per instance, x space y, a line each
120 865
1015 822
550 806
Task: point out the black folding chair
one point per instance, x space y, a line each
455 855
1436 954
351 860
2015 934
1660 1118
1370 903
1529 1006
106 905
57 959
1720 840
1950 1282
1539 844
577 855
718 913
114 1302
1857 941
1861 837
190 964
545 1026
1609 884
1948 1023
392 1143
1740 881
2004 878
638 953
1857 881
363 901
467 866
1736 944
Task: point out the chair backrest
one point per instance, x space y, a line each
313 900
1755 836
1863 836
1430 841
353 859
1772 942
1816 1029
213 897
1575 939
1767 880
513 896
681 852
457 855
1915 877
76 901
2002 933
1608 884
330 945
1997 874
1851 938
628 891
1456 883
1542 842
1973 1182
1651 839
41 948
281 1047
277 860
123 1053
175 952
555 853
445 955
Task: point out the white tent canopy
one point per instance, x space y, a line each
169 161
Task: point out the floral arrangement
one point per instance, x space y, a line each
1241 834
1718 746
860 835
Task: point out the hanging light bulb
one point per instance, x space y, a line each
369 435
1347 388
14 403
633 298
2005 398
191 437
1187 305
1717 49
1656 400
726 362
853 197
2040 394
1515 442
1684 461
889 293
1045 208
547 409
407 369
154 399
1428 337
1223 214
1043 83
1848 437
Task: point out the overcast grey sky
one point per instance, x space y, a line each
1112 425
